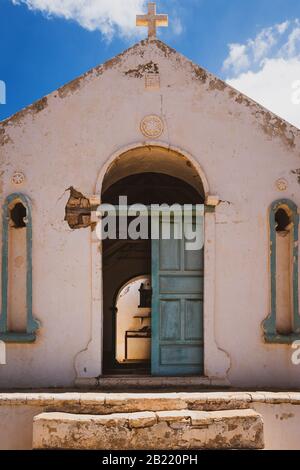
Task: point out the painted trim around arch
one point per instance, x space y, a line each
29 336
269 326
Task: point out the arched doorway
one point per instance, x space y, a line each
133 322
154 175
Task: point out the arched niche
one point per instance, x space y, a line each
17 324
283 323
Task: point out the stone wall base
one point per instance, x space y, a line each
162 430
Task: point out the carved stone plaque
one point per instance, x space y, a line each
18 178
281 184
152 126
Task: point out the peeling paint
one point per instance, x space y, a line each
70 87
78 210
217 85
139 71
242 99
112 62
200 73
4 137
297 173
271 124
286 416
39 105
274 126
225 202
97 71
33 109
167 50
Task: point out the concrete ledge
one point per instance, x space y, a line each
101 403
165 430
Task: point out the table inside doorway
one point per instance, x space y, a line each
142 333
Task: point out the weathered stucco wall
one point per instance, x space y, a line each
67 138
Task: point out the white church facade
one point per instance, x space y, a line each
154 127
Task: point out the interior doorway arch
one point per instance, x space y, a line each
133 328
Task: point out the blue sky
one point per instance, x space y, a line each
253 44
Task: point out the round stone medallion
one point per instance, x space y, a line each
18 178
152 126
281 184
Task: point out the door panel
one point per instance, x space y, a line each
186 356
192 260
193 320
169 255
180 284
177 306
170 327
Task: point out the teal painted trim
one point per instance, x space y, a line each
19 338
281 339
4 270
32 324
269 325
155 308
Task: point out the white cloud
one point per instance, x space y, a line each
282 27
108 16
264 41
292 46
238 58
268 69
254 50
274 87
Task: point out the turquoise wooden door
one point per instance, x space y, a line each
177 307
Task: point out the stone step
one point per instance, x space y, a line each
142 383
108 403
160 430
